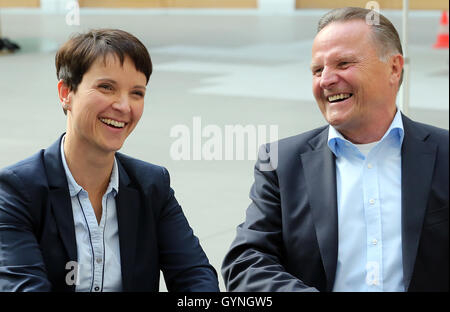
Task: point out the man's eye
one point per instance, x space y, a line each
317 71
344 64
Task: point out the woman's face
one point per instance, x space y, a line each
107 105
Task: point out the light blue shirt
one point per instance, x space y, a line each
368 179
98 248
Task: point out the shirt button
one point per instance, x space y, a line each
372 201
374 241
369 166
99 260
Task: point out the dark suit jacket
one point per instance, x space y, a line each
37 234
289 240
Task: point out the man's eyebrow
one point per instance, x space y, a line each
339 58
314 66
346 57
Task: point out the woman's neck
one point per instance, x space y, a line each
90 167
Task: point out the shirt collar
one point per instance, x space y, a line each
75 188
336 141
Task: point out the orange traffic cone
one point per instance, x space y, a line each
442 38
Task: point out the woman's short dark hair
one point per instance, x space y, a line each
75 57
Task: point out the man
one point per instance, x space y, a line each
361 204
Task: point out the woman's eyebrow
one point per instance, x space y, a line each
105 80
115 82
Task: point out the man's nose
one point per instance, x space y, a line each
328 78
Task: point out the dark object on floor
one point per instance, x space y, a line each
6 44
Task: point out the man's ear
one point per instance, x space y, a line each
64 94
396 65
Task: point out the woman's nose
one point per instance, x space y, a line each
122 104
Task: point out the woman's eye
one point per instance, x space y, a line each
106 87
139 93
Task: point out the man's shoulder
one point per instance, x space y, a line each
286 152
426 132
427 127
302 142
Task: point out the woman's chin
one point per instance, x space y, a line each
111 147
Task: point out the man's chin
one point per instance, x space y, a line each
335 122
339 119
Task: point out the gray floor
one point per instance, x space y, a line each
228 69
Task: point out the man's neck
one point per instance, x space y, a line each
368 132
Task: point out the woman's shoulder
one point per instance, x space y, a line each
28 170
143 172
24 187
138 165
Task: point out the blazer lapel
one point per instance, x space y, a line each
60 198
127 205
62 209
320 174
418 157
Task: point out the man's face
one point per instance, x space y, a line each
352 86
108 104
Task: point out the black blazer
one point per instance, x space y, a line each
289 240
37 234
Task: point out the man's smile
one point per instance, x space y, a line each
338 97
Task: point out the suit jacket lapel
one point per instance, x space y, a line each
418 157
60 199
127 205
320 174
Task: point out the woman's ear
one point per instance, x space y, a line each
64 94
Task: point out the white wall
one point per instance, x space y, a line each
264 6
276 6
55 6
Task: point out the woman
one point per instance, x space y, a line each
79 216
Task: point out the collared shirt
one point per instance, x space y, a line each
369 211
98 248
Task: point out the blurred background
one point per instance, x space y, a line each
227 62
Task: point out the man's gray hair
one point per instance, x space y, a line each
384 33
